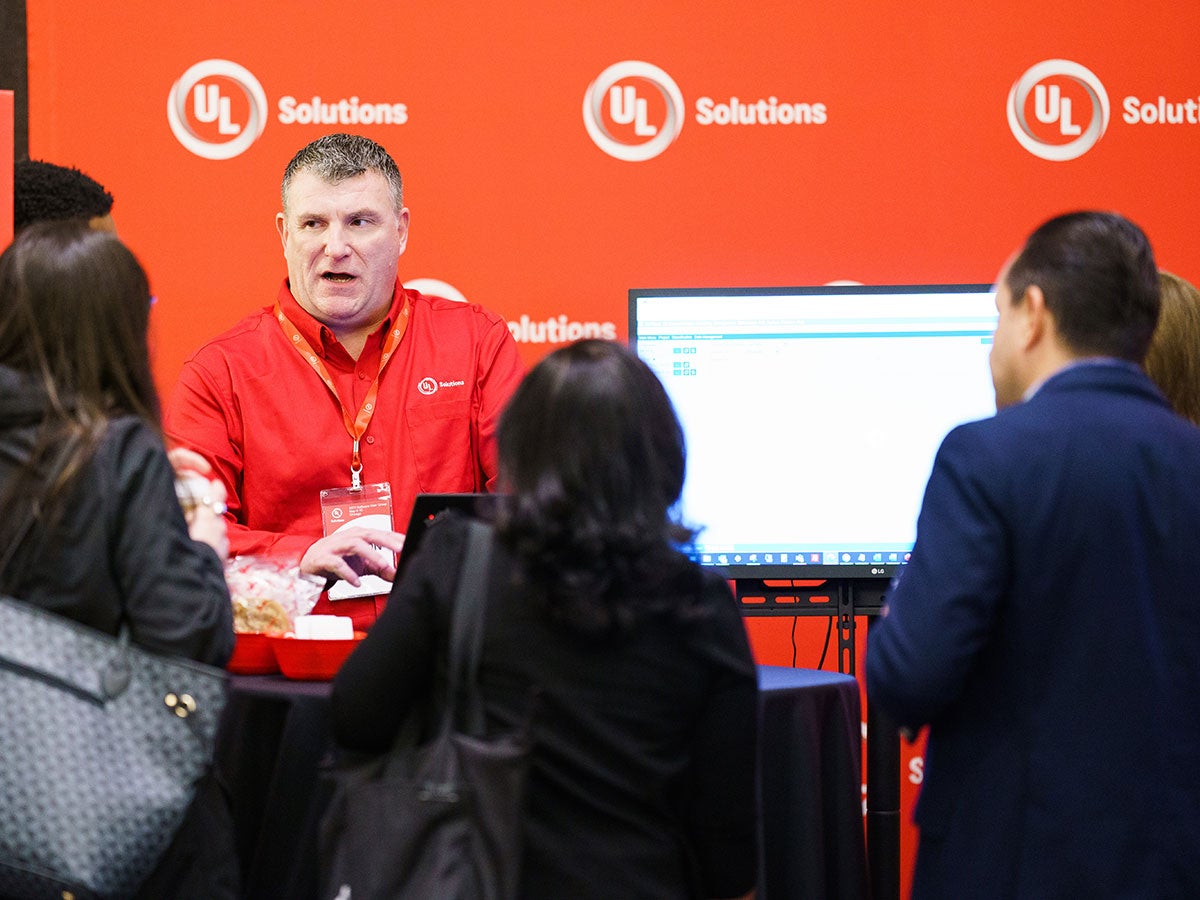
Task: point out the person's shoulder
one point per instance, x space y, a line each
713 582
131 445
713 627
252 327
437 309
983 447
705 591
975 431
126 429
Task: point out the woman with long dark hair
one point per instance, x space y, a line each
644 728
90 511
90 526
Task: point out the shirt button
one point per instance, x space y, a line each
362 376
370 438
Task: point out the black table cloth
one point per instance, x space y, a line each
275 740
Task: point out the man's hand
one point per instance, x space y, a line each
352 552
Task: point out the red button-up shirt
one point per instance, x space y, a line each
274 433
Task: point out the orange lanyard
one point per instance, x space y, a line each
356 426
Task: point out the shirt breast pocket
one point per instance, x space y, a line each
443 445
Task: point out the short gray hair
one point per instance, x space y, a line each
336 157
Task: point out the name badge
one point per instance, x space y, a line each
367 507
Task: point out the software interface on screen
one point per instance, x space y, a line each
812 417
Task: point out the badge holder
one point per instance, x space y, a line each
368 506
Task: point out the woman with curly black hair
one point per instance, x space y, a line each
644 730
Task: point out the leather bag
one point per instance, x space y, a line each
440 819
102 744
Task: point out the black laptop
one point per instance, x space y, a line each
426 509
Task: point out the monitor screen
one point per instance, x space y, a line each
812 414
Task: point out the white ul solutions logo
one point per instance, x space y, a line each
1051 107
625 107
209 105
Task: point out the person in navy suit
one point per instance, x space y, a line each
1047 627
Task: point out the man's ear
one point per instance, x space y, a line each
1037 323
402 228
281 227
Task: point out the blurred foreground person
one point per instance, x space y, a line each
645 723
1173 360
1045 628
91 523
46 192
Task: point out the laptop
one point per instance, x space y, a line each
427 508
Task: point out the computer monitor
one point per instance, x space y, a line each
812 414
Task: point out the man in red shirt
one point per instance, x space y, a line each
347 386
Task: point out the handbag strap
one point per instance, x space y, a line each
466 630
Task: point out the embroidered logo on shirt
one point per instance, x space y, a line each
429 386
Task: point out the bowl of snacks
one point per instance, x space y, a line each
267 595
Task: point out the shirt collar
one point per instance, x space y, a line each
318 336
1112 361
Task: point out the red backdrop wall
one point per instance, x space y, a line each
772 143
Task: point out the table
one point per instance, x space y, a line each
844 599
275 738
810 773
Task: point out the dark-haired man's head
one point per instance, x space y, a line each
1083 285
45 192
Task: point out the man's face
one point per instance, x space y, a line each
1006 354
342 243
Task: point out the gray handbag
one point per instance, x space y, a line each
102 744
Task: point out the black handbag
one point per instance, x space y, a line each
442 819
102 744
